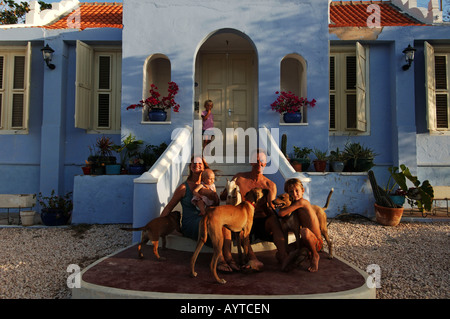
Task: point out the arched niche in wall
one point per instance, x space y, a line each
157 70
293 78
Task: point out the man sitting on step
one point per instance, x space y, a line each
265 223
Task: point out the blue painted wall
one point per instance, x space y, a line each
54 150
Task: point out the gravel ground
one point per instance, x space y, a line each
413 257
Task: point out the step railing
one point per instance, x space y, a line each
154 189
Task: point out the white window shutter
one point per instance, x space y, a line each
361 79
430 86
83 85
27 86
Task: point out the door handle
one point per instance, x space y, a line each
229 112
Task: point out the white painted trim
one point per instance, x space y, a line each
173 153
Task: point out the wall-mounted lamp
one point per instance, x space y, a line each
409 56
47 54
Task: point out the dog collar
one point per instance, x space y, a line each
250 203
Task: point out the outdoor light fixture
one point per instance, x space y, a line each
409 56
47 53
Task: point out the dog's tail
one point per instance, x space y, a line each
328 199
132 229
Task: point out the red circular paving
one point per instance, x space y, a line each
125 271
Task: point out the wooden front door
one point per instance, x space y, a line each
227 81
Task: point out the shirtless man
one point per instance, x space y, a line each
311 236
265 222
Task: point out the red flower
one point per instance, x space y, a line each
290 103
154 101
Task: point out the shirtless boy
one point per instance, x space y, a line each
265 223
310 232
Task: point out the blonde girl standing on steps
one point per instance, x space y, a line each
208 122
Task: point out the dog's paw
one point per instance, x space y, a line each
193 274
222 281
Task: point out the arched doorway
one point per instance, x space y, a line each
226 73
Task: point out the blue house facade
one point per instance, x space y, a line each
348 56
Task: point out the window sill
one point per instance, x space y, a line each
156 123
348 133
337 173
293 124
439 133
13 132
96 131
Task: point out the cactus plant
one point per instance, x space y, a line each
284 144
381 197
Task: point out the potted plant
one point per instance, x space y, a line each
358 157
421 195
300 156
102 155
136 165
55 210
395 193
320 163
87 168
127 150
151 153
387 213
337 160
156 106
291 106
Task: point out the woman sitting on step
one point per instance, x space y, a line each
191 217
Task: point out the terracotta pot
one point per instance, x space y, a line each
304 161
388 216
320 166
86 170
297 166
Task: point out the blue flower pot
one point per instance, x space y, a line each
398 199
113 169
54 217
136 169
292 117
157 115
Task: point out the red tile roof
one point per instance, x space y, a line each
93 15
354 14
342 14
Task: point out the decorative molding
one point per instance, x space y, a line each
430 15
36 17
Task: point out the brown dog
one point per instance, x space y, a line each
292 222
158 227
235 218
